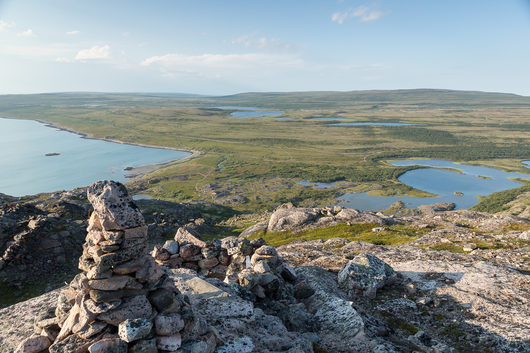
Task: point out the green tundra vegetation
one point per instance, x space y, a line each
254 164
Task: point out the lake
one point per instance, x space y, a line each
25 169
316 184
472 181
250 112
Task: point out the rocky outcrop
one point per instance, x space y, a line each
365 273
41 239
236 295
436 301
122 301
289 218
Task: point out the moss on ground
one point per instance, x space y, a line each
394 235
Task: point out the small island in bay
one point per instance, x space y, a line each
458 193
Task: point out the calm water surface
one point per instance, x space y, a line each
316 184
25 170
250 112
472 181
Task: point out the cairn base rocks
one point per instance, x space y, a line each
121 301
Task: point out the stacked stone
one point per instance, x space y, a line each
262 272
252 264
188 250
122 301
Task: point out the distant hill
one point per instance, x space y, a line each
439 97
279 100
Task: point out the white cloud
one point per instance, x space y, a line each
340 17
73 33
6 25
270 44
96 52
63 59
364 13
220 65
27 33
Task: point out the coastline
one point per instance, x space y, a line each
131 174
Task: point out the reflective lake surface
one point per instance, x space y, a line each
250 112
316 184
72 161
471 181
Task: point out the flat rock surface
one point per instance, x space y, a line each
14 323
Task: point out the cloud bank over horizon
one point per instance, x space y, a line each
215 48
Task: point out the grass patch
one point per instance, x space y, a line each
397 324
446 247
453 330
395 235
318 349
497 201
248 156
12 295
516 227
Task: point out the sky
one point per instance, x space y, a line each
216 47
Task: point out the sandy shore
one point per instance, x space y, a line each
134 173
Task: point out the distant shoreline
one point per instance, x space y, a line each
133 173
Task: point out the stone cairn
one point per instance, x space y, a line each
122 301
251 264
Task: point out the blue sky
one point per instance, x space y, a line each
224 47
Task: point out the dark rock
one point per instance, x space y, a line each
165 301
71 344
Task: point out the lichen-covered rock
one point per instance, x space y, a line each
169 343
185 235
171 246
71 344
290 218
108 345
113 205
144 346
242 344
135 307
168 324
338 319
34 344
134 329
367 273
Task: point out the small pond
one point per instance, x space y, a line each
462 185
250 112
316 184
